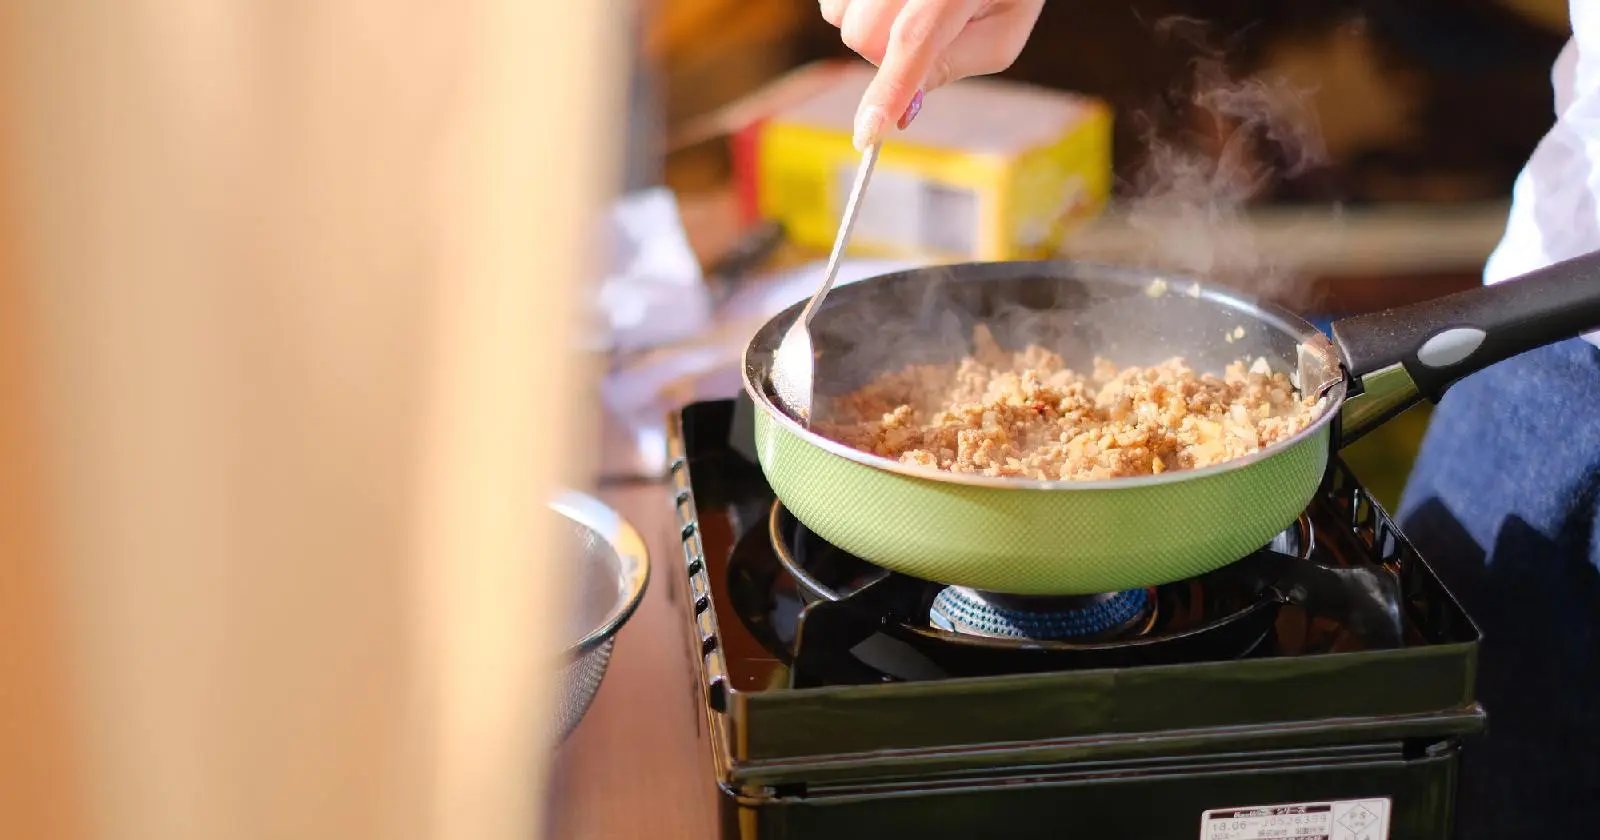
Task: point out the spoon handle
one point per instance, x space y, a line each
847 222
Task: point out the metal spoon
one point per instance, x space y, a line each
794 365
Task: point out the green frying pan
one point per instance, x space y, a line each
1067 537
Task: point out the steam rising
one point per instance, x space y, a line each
1233 137
1187 211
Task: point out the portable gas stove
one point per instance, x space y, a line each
1318 688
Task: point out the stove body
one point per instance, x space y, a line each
848 715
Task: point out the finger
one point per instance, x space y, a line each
920 33
866 27
833 10
988 45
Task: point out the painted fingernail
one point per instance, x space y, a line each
911 111
869 127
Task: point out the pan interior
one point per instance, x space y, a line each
1081 311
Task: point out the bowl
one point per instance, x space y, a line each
609 572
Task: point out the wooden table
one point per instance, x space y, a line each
635 768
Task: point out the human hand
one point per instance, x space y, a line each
919 45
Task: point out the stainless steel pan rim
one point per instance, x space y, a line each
633 571
1264 313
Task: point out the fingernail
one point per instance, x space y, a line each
869 127
911 111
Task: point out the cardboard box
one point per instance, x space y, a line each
989 170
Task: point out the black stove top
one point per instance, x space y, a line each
821 672
792 581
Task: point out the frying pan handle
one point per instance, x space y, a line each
1438 342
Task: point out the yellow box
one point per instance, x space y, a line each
989 170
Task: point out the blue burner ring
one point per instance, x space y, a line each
961 610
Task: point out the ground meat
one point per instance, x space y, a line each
1025 414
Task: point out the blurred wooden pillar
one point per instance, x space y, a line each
292 284
39 796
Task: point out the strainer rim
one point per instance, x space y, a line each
630 549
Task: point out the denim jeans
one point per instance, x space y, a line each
1502 502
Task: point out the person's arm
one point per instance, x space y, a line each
920 45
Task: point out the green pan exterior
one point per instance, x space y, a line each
1040 541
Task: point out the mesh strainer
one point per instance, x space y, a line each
610 570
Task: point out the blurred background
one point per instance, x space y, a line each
1399 90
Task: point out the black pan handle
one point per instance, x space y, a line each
1442 340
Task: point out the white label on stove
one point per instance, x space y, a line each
1350 819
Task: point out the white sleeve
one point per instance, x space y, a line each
1554 212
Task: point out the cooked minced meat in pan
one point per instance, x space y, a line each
1027 415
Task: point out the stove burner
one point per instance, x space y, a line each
843 600
958 609
848 614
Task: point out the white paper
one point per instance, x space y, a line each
706 366
653 292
